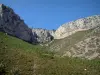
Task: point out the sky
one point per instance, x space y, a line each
50 14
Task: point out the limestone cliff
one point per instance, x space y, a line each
82 44
13 25
43 35
78 25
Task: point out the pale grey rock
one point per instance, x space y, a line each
13 25
88 48
43 35
78 25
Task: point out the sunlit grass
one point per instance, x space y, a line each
21 58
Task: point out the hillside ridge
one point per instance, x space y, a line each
77 25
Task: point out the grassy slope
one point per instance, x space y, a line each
21 58
65 43
60 46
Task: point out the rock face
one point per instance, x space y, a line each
80 38
82 44
88 48
78 25
13 25
43 35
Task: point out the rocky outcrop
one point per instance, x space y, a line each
82 44
88 48
80 38
78 25
43 35
13 25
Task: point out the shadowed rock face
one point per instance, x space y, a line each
13 25
43 35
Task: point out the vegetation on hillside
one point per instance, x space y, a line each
18 57
61 45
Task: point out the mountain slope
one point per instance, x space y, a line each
17 55
21 58
83 44
78 25
12 24
76 39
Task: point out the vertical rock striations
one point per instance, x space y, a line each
43 35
